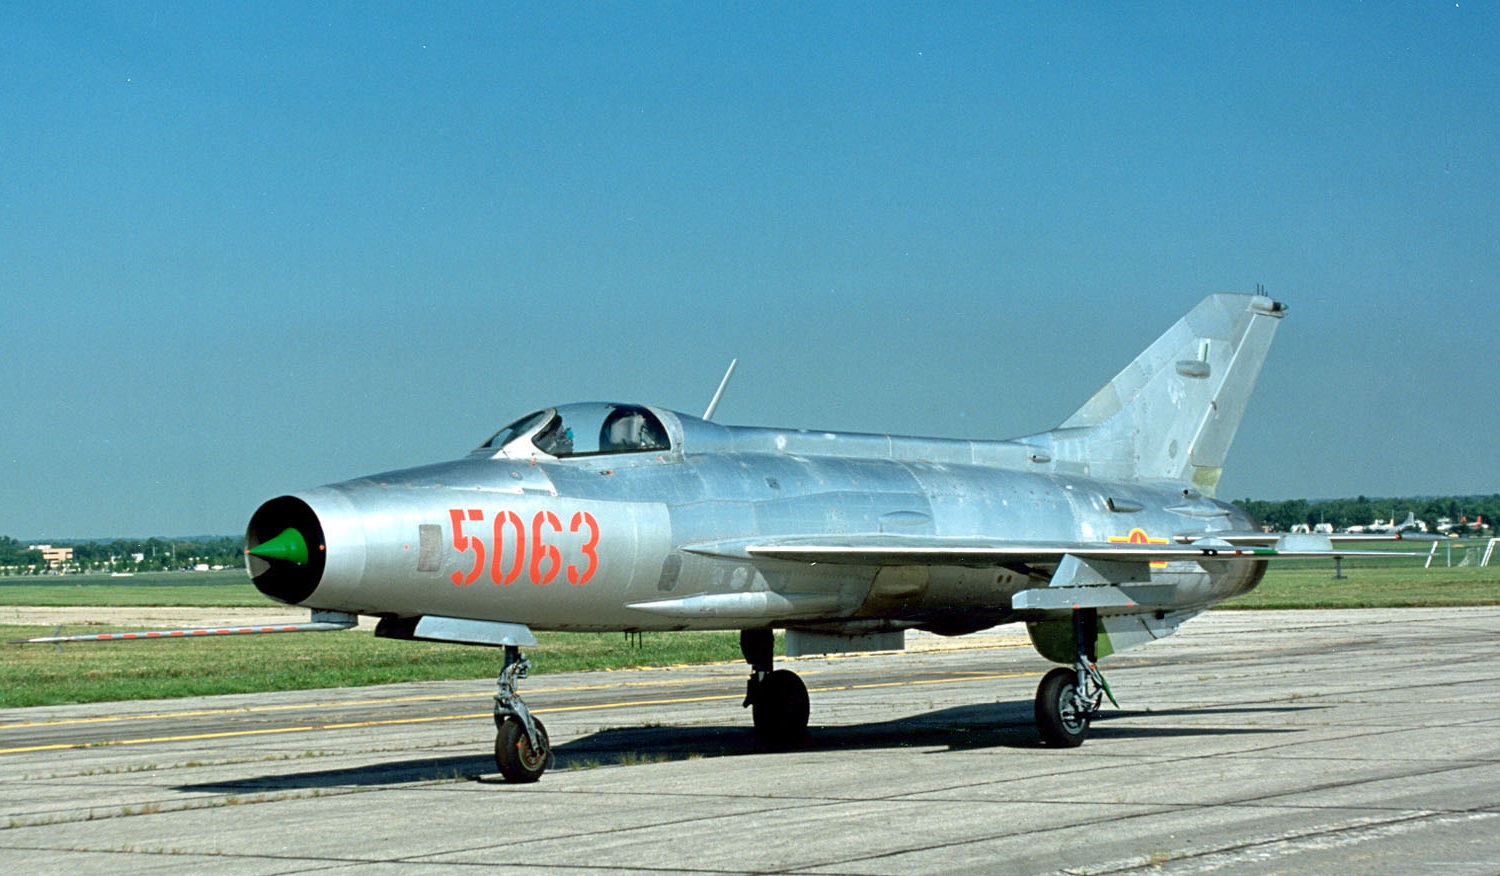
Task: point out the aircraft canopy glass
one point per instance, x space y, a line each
589 429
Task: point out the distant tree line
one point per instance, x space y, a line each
126 555
1359 511
15 555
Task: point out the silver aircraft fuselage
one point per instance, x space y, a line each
656 538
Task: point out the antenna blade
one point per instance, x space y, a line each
708 414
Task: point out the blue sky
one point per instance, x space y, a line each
251 248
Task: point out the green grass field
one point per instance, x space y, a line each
1368 584
227 589
41 675
36 675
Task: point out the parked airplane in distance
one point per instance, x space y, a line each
1391 527
1463 527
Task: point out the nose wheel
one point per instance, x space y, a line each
519 759
522 750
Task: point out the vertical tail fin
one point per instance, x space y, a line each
1172 413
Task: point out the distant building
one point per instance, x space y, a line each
54 556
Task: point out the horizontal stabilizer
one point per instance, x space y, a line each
1299 540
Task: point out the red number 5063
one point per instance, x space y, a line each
516 547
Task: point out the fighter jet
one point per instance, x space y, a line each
1099 535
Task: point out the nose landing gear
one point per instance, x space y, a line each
522 751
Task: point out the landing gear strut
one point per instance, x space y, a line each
522 751
1068 699
777 697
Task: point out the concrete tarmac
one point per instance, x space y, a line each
1250 742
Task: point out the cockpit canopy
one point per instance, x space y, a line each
587 429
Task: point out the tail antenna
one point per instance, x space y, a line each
713 405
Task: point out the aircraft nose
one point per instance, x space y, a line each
285 550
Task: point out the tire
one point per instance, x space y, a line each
781 708
1057 719
514 755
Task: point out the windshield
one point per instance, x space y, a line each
588 429
515 430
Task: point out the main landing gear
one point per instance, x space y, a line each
777 697
522 751
1068 698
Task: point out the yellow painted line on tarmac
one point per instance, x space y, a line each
391 722
288 707
203 713
227 734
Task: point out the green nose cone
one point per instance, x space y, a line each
289 546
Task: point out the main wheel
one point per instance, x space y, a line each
780 708
1058 718
514 755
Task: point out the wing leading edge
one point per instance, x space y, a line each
903 550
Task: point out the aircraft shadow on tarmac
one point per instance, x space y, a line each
962 728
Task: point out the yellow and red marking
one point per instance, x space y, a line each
1139 536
